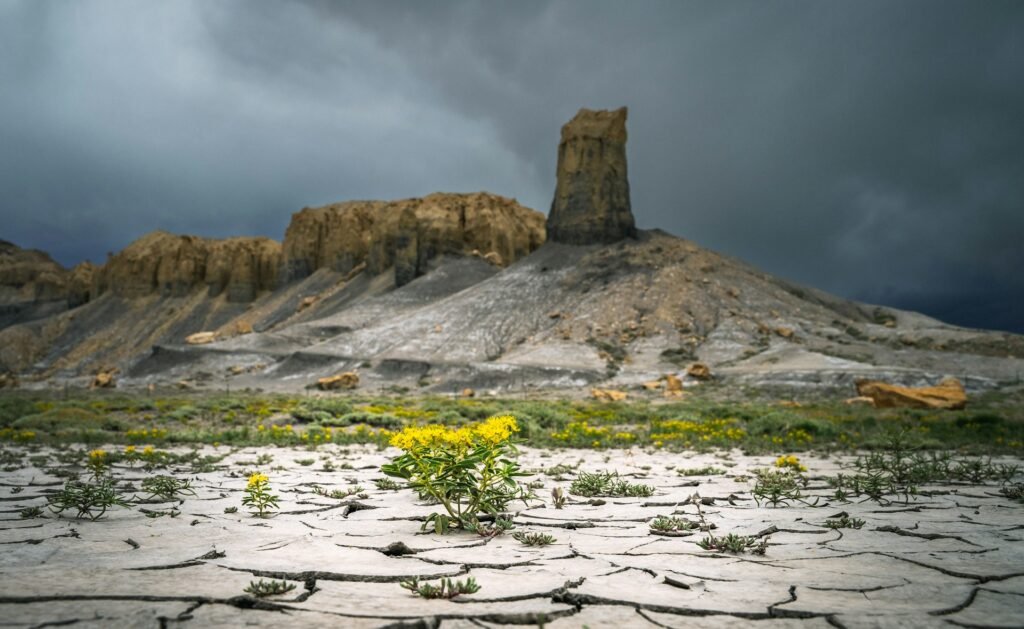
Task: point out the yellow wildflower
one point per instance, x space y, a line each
790 461
257 480
97 456
129 449
148 451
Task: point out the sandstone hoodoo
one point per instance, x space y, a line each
591 204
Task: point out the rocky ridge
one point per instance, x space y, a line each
407 234
451 292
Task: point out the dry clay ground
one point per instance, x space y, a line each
952 557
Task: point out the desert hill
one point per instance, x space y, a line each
453 291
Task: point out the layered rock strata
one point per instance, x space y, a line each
591 203
172 266
408 233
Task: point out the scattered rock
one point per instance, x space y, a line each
948 394
674 385
591 203
608 395
105 379
467 392
307 302
494 258
700 371
786 333
346 380
201 338
653 385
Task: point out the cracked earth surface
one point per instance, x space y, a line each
952 556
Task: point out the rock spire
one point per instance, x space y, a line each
591 204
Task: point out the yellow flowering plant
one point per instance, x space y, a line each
257 495
467 470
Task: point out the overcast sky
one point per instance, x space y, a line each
872 149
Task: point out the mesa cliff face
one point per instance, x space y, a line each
591 203
169 265
408 233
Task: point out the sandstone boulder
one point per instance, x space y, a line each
9 381
201 338
467 392
346 380
673 386
608 395
105 379
407 234
591 203
700 371
948 394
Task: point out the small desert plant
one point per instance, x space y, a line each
607 484
305 462
533 539
167 487
90 499
780 486
844 521
338 494
673 526
262 588
97 462
386 484
790 462
257 495
466 470
447 588
736 544
230 509
498 527
707 470
1014 491
558 497
31 512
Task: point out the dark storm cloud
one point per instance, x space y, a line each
872 149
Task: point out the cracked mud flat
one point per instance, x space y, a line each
953 556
